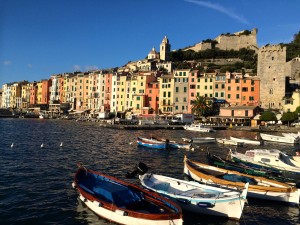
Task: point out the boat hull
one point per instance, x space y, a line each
198 198
285 194
122 202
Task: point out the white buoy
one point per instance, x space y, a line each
42 145
12 145
61 144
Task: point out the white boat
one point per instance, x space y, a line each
199 128
226 141
200 140
294 135
198 198
246 141
259 187
272 158
281 139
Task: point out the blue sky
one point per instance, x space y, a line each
39 38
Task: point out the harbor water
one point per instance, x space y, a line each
35 182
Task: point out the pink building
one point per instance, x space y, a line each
237 114
192 90
107 91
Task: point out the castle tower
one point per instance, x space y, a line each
165 49
271 69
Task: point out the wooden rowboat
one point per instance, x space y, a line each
259 187
122 202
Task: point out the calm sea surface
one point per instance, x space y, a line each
35 183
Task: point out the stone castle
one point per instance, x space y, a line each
276 75
235 41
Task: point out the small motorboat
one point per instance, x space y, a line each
122 202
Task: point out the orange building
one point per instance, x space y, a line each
243 91
46 84
152 97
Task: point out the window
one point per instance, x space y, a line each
252 88
177 89
216 86
229 88
237 88
138 98
265 160
184 89
216 94
237 96
244 89
176 99
228 96
229 81
184 99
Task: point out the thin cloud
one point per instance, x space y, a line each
91 68
76 67
221 9
7 62
29 65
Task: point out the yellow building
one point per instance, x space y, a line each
166 87
205 85
39 86
15 97
25 95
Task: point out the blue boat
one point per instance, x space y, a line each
152 143
122 202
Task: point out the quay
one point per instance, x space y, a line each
151 127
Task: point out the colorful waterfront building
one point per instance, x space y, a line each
45 96
242 90
181 91
6 93
139 85
192 89
107 91
152 97
122 92
166 91
113 100
25 95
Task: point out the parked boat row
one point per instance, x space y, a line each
214 191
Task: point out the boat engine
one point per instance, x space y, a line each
140 169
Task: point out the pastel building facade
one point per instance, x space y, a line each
181 91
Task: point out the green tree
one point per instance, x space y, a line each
289 117
200 107
268 116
